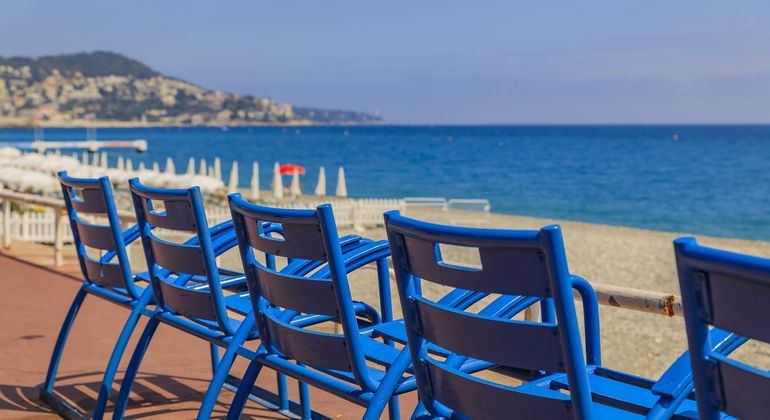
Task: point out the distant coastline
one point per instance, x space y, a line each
104 89
28 124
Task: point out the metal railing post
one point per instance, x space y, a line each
7 223
58 243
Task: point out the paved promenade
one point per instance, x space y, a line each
34 300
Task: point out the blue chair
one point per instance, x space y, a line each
336 363
730 292
527 263
108 276
189 290
112 281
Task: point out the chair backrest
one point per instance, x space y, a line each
513 262
94 197
172 266
278 297
729 291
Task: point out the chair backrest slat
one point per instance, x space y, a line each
480 337
96 236
529 263
177 257
313 348
177 216
94 197
188 302
501 267
104 273
736 303
454 388
732 292
741 387
301 238
312 296
91 203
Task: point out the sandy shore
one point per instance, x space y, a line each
635 342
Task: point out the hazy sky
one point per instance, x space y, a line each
439 61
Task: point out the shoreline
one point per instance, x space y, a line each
5 124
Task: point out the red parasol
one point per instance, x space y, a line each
289 168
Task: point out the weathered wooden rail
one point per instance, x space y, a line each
627 298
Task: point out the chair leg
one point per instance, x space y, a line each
394 408
58 349
283 392
117 353
223 369
214 357
384 393
244 389
304 399
133 368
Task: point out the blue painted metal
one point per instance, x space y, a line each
186 283
108 277
191 296
109 280
529 263
336 363
730 292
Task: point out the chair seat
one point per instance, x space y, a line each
626 396
238 303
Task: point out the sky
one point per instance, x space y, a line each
438 62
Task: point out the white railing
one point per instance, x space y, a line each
35 226
356 213
430 202
465 204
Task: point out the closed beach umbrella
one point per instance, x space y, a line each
129 165
202 169
170 169
121 164
295 189
320 188
95 160
232 187
342 188
141 167
277 181
213 174
104 161
155 167
85 158
191 167
217 168
255 195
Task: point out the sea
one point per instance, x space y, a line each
698 179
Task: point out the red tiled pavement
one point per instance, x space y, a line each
33 302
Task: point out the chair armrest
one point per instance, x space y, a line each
590 320
677 379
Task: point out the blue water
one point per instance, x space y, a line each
715 180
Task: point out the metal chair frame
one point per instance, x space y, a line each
103 277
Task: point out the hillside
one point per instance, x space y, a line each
108 88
